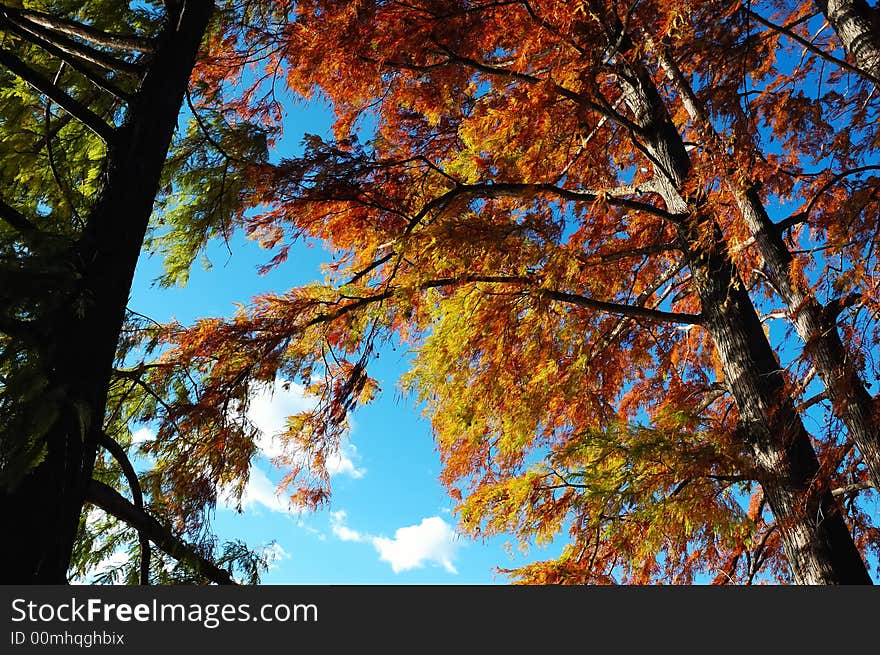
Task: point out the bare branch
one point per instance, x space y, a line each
791 221
813 48
76 62
813 400
204 129
613 308
371 267
838 305
776 313
632 311
88 33
851 489
82 51
137 496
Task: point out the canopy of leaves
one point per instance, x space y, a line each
490 200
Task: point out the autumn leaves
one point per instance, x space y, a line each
583 217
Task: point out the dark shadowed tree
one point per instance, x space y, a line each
91 98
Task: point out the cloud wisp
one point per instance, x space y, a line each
261 491
268 411
274 554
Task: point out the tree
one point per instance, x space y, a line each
91 98
582 217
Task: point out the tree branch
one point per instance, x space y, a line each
851 489
371 267
137 496
813 400
520 190
631 311
81 50
61 122
803 217
204 129
617 309
109 500
16 219
489 69
593 259
791 221
70 104
76 62
838 305
88 33
813 48
776 313
709 476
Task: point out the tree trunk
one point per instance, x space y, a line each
817 542
42 511
858 27
815 325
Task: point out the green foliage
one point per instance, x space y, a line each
53 171
205 180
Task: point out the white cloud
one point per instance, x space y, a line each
260 490
342 462
342 531
142 435
269 410
302 524
433 541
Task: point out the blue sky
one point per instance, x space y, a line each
390 520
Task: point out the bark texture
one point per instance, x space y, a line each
816 539
858 27
815 324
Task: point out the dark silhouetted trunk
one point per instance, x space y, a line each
42 511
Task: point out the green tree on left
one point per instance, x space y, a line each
91 134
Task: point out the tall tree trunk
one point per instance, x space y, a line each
816 325
858 26
42 511
817 542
